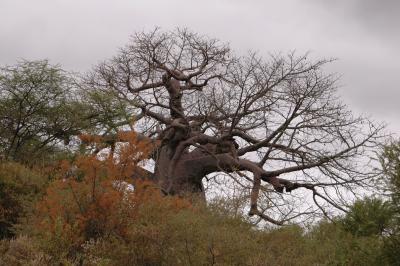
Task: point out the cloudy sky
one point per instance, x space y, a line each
364 35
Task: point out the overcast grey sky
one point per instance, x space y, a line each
363 34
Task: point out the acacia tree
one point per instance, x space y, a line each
41 110
208 111
37 109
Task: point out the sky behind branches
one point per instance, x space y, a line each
364 35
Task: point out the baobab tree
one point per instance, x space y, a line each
274 122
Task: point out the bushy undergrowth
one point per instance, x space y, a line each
19 188
86 215
146 228
161 234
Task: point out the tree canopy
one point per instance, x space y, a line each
273 125
42 109
37 109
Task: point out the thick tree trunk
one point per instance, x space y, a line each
184 177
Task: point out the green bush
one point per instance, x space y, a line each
195 236
161 234
369 217
330 244
19 189
21 252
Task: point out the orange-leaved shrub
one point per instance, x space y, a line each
96 196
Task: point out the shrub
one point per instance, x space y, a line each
22 251
368 217
20 187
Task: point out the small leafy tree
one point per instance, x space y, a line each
390 161
42 109
369 217
37 109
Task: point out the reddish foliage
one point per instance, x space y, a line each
91 198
